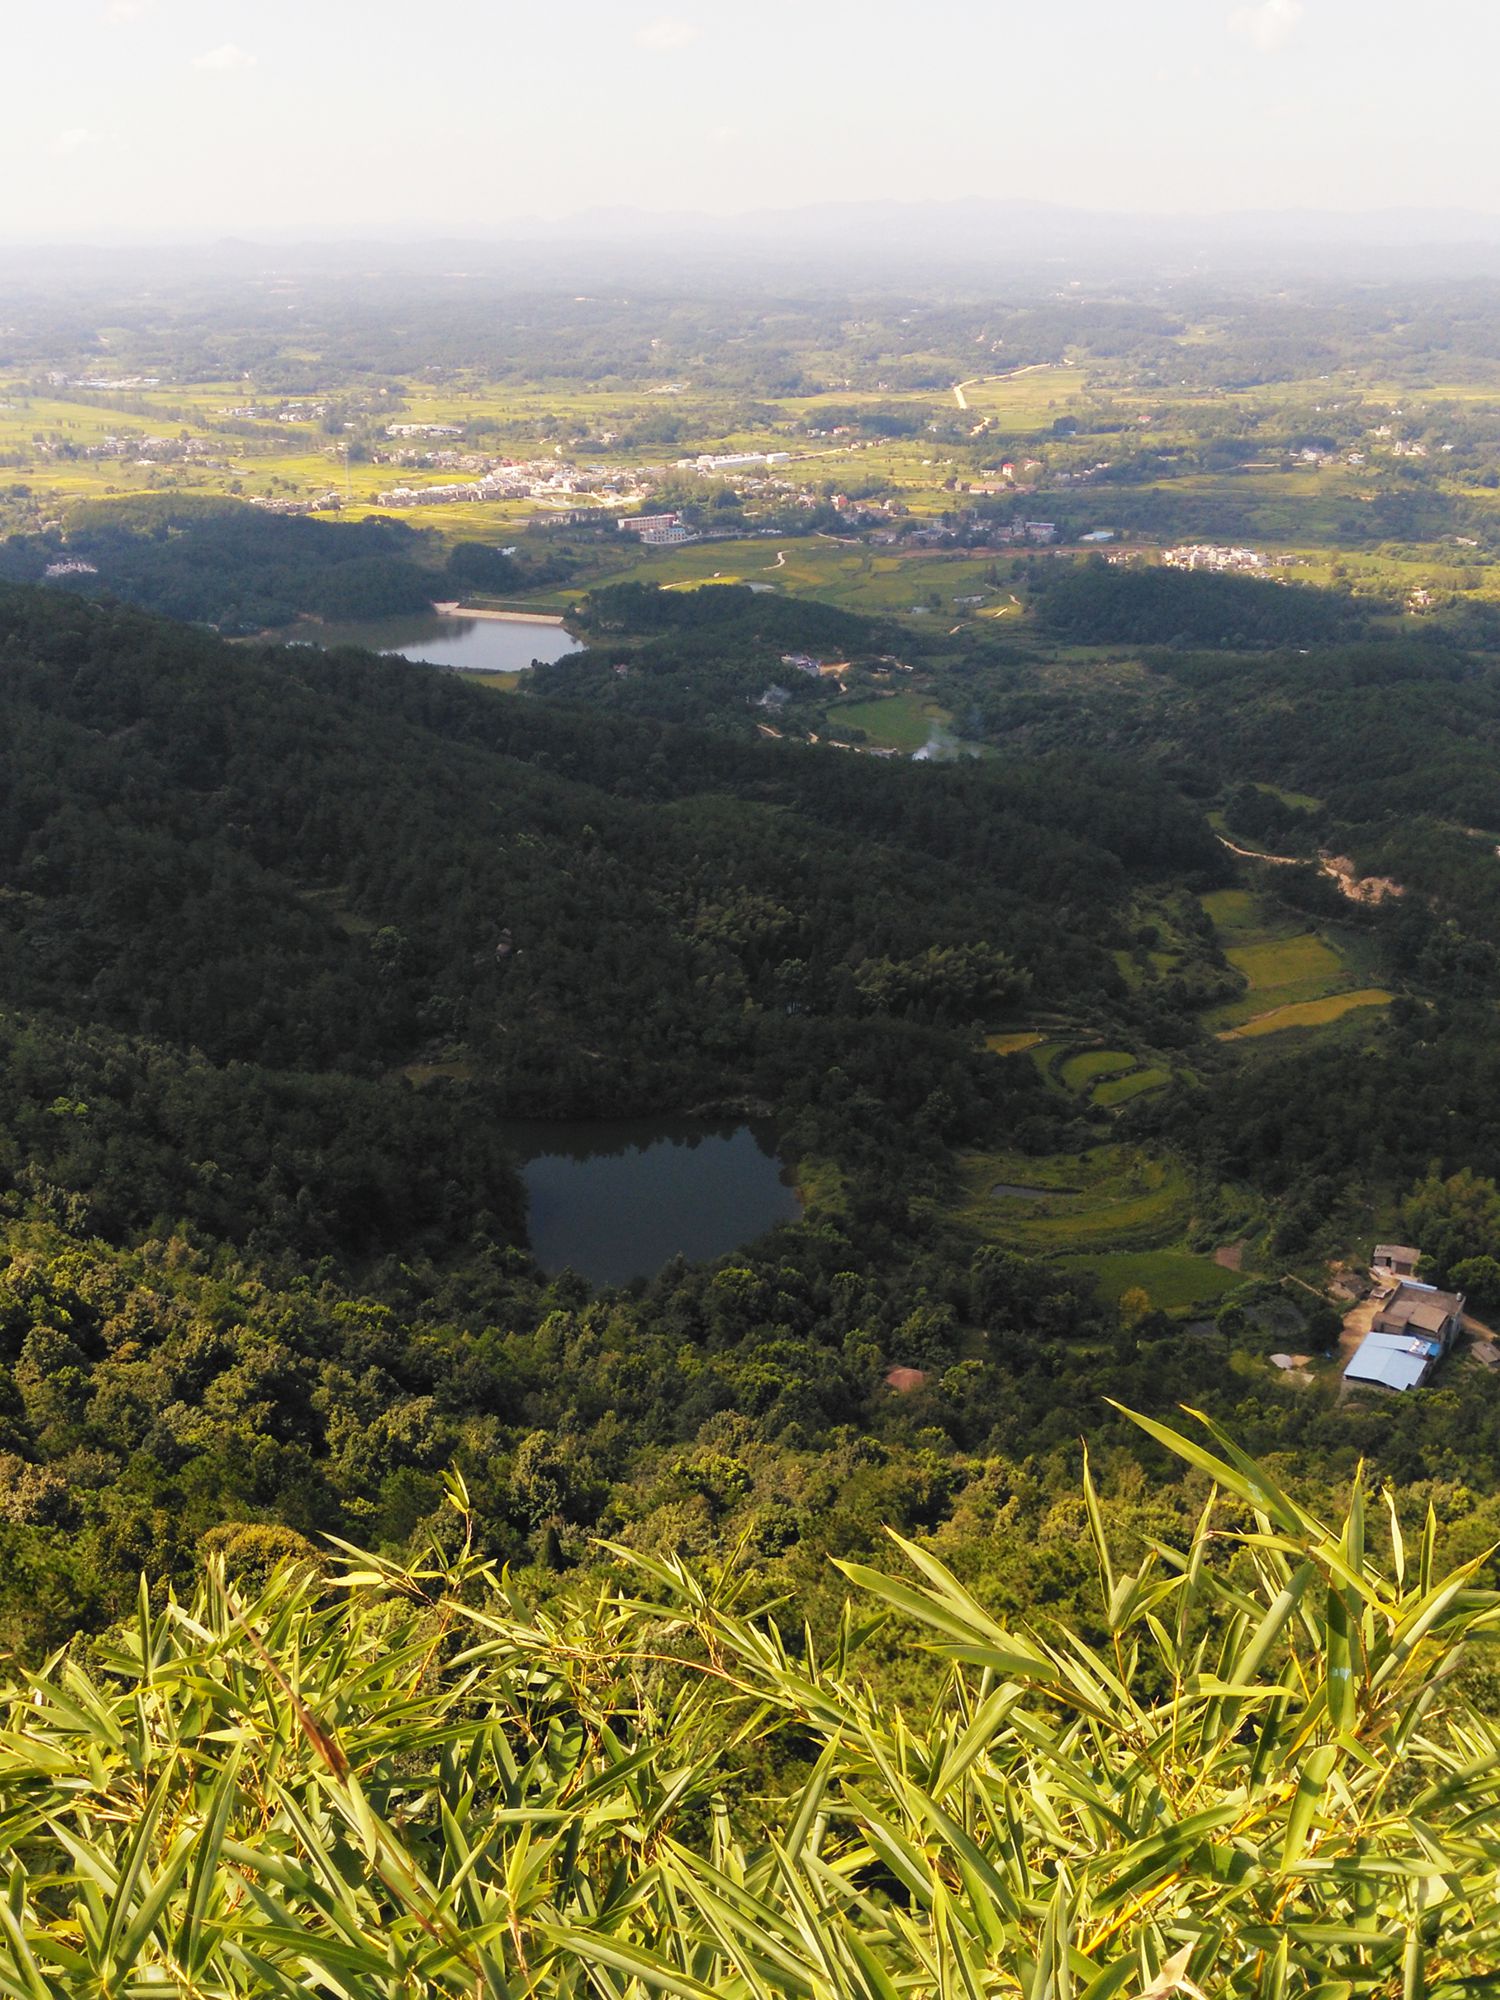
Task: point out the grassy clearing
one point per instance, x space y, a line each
901 721
1282 962
1013 1045
1307 1014
1232 910
1046 1055
1081 1070
1119 1090
1282 968
853 577
1303 800
1173 1280
435 1072
507 683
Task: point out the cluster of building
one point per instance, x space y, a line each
733 461
60 380
1413 1325
1204 555
288 413
438 461
657 531
140 450
506 479
321 503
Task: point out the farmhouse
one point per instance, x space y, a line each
1420 1309
1413 1327
1397 1259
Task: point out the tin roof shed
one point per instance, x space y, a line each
1393 1361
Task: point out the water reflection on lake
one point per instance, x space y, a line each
474 645
615 1201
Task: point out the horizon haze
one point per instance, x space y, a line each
318 123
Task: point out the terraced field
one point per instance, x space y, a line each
1117 1090
1294 977
1106 1077
1112 1197
1079 1071
1309 1014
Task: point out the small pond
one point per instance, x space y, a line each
614 1201
472 645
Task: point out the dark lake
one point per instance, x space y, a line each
616 1201
477 645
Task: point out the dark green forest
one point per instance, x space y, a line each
286 936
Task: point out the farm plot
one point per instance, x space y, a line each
1112 1197
1173 1280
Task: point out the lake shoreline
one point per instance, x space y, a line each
468 642
616 1200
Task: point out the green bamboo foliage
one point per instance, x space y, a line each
1257 1780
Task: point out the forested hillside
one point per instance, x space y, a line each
285 937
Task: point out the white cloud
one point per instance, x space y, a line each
227 57
77 139
1269 25
666 34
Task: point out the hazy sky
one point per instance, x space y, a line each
165 117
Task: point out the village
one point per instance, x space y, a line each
1404 1328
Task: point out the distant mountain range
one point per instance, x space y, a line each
1034 227
910 238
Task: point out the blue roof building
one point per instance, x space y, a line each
1396 1361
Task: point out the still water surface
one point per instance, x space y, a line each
616 1201
476 645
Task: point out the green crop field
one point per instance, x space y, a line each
1233 910
901 721
1081 1070
1012 1045
1114 1197
1115 1091
1282 971
1281 962
1046 1055
1173 1280
854 578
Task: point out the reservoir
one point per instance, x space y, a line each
471 645
615 1201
